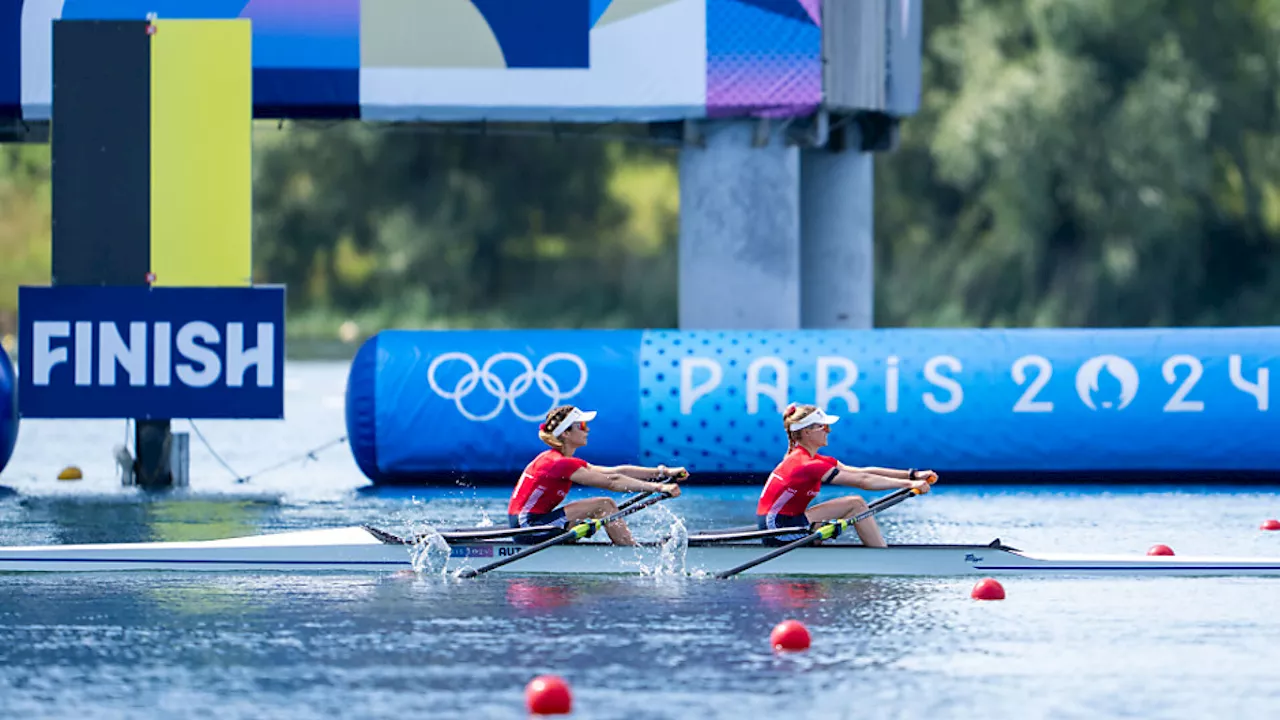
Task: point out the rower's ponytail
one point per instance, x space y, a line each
554 418
794 413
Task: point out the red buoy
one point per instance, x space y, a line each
1272 524
1160 550
548 695
789 635
987 589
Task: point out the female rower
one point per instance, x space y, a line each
795 482
548 477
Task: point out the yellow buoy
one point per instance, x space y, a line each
71 472
348 332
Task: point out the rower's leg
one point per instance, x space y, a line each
580 510
847 507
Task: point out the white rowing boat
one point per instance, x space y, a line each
362 549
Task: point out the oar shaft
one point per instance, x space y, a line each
724 537
634 499
884 503
482 533
828 530
465 534
577 531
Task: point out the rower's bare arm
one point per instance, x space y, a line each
870 481
894 473
883 472
641 472
638 472
592 476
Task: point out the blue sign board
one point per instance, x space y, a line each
140 352
1146 400
972 400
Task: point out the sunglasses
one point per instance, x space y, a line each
823 428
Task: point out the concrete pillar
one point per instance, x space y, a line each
740 229
837 251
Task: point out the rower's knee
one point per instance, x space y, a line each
605 506
857 505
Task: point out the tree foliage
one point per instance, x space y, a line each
24 225
435 229
1087 163
1074 163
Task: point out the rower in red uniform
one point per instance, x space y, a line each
548 477
795 482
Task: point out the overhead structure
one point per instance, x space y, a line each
780 105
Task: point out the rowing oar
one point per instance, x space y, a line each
830 529
584 529
483 533
480 533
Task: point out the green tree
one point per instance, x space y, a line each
422 228
24 225
1087 163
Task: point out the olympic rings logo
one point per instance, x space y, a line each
483 375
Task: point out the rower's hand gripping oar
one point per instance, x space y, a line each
830 529
584 529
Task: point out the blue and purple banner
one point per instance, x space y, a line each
579 60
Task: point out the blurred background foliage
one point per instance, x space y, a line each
1075 163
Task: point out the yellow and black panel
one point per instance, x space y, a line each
101 150
201 152
152 153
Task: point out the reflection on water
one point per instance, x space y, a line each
789 595
533 595
655 644
143 518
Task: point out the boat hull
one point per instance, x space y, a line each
850 560
355 549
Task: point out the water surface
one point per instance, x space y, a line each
401 645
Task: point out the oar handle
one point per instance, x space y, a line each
581 530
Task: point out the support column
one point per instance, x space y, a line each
151 442
837 229
739 228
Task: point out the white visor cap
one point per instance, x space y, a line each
575 415
817 417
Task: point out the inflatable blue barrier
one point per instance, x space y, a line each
8 409
429 406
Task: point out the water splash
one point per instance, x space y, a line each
675 548
429 554
673 544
